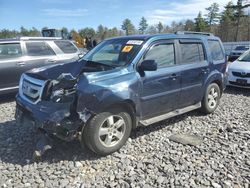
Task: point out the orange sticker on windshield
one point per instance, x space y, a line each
127 49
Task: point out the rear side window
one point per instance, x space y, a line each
66 46
192 53
39 49
163 54
10 50
216 50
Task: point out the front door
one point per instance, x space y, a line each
161 88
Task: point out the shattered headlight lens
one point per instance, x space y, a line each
57 93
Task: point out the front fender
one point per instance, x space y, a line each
97 97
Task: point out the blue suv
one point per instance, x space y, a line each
121 83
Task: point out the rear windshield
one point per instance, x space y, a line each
66 46
242 48
115 52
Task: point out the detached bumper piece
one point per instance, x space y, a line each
43 144
66 130
64 125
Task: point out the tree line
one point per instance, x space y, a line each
230 24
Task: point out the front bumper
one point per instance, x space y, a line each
56 119
243 82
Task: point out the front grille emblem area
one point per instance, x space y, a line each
31 89
243 73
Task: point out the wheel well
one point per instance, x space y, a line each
218 82
129 107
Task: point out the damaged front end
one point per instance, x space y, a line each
51 104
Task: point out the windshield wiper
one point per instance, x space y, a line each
100 63
243 60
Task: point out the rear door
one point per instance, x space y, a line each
195 69
10 61
38 54
160 88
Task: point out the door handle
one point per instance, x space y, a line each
173 76
205 71
51 60
21 63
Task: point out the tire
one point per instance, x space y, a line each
211 99
107 132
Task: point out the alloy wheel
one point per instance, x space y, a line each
112 130
213 97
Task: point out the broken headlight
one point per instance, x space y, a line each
63 96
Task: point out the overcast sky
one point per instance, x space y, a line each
91 13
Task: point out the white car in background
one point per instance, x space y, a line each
239 71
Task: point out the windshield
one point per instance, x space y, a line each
245 56
114 52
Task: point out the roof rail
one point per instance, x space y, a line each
193 33
40 38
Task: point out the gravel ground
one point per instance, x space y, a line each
149 159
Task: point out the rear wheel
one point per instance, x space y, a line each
107 132
211 99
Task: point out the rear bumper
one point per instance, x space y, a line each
54 118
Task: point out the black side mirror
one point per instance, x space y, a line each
148 65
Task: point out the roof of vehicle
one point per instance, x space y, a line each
184 34
30 39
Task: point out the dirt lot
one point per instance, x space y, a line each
149 159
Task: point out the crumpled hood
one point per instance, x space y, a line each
91 73
240 65
54 71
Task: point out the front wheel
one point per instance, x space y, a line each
107 132
211 99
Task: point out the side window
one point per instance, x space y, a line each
39 49
163 54
66 46
192 53
10 50
216 50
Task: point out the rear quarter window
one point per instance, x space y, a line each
66 46
216 50
10 50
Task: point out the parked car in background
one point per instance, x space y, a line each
234 54
124 82
239 71
20 55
